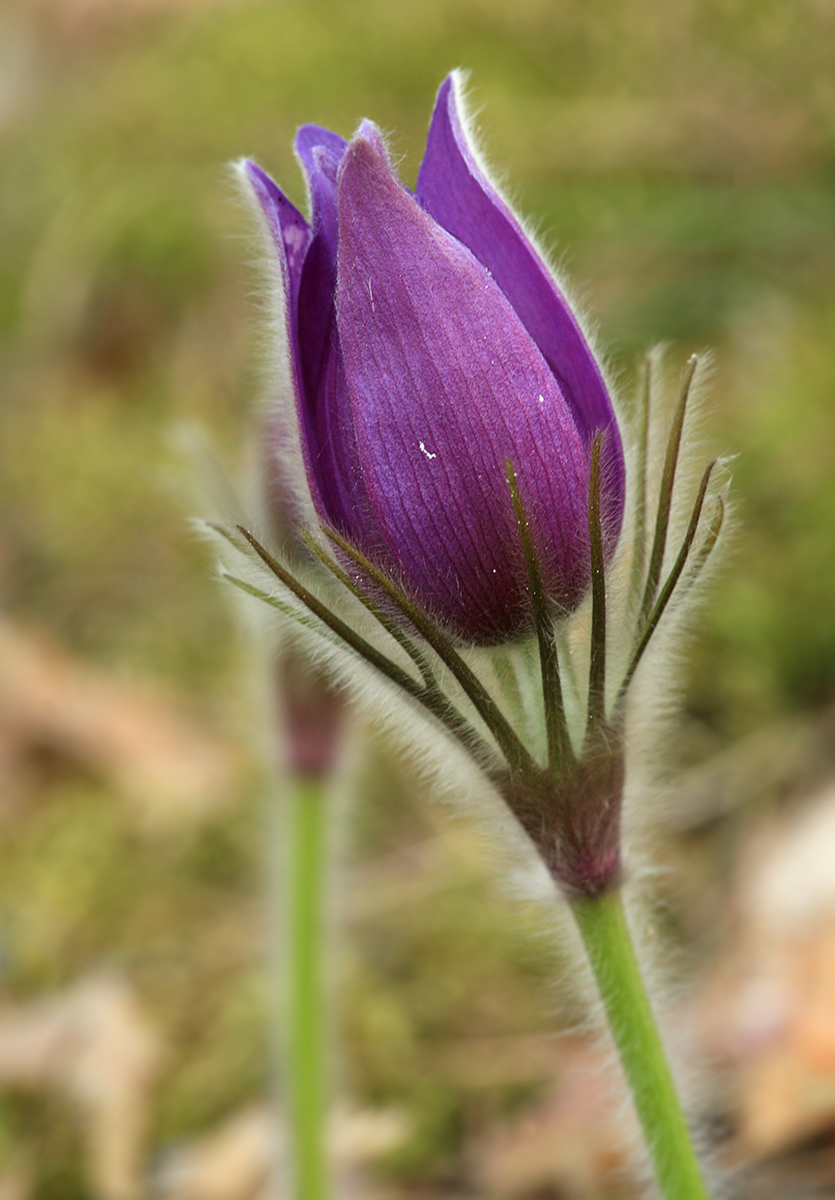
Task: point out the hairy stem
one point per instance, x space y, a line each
605 933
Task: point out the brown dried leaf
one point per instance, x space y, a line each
239 1160
15 1185
169 768
768 1010
571 1143
95 1044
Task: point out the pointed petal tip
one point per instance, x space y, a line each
446 87
451 90
451 107
366 153
251 174
312 139
287 227
264 188
369 134
249 178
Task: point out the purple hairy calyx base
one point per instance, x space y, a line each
574 819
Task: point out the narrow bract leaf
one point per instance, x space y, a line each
559 744
597 665
514 751
665 501
306 621
392 629
348 635
430 698
706 548
672 579
639 536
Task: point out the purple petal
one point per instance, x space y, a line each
446 385
320 153
455 191
291 238
329 442
311 138
288 227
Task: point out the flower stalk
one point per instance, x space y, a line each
608 942
307 1026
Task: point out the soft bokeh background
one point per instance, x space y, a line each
680 160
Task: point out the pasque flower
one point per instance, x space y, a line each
464 480
429 347
463 461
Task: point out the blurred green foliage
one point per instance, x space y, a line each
678 159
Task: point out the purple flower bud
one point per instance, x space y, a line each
429 346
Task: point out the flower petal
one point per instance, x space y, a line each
455 190
311 138
287 226
329 440
290 236
446 385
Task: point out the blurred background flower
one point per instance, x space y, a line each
679 160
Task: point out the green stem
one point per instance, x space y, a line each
307 1080
603 926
